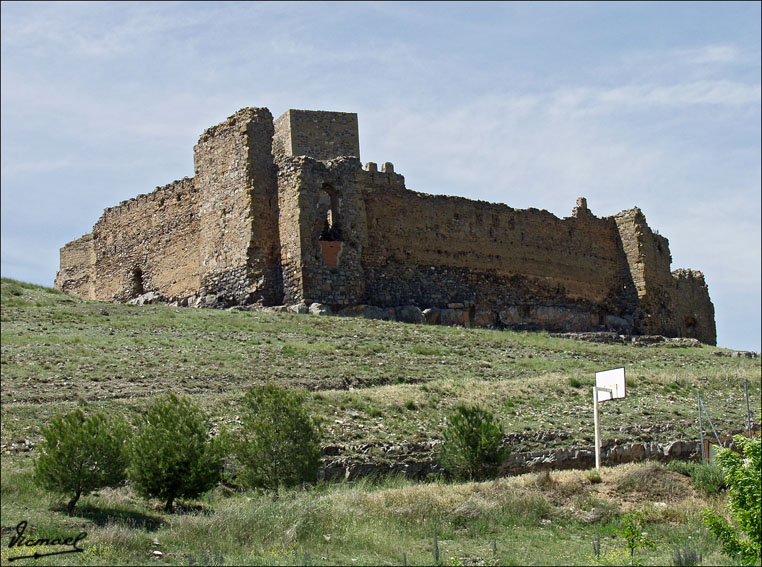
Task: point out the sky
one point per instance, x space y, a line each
654 105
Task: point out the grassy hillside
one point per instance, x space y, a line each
371 383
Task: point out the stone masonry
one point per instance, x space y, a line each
283 213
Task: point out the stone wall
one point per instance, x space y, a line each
649 260
149 243
694 312
518 267
238 208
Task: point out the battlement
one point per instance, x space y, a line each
179 189
317 134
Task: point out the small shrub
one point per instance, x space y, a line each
740 539
633 534
411 405
681 467
676 387
81 454
574 382
706 477
594 477
172 455
280 442
688 557
544 480
472 439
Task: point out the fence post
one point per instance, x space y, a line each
709 419
701 428
748 411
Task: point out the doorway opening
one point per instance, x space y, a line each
328 204
136 283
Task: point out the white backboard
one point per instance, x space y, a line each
612 380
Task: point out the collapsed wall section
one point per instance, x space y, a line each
694 311
77 273
671 304
238 209
649 260
521 268
149 243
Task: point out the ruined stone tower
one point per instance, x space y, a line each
282 212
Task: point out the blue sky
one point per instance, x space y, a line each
655 105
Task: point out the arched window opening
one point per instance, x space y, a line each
328 205
136 283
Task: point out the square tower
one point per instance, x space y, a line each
317 134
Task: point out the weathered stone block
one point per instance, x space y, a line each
409 314
510 316
485 318
372 312
300 308
454 317
320 309
618 324
431 316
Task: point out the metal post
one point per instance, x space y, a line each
709 419
701 429
748 411
597 429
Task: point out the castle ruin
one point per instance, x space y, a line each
283 213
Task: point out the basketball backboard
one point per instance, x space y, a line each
612 380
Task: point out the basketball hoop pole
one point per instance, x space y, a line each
596 389
612 384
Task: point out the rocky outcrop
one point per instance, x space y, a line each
418 460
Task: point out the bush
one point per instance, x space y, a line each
633 534
280 442
688 557
81 454
594 477
706 477
172 454
471 448
741 538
